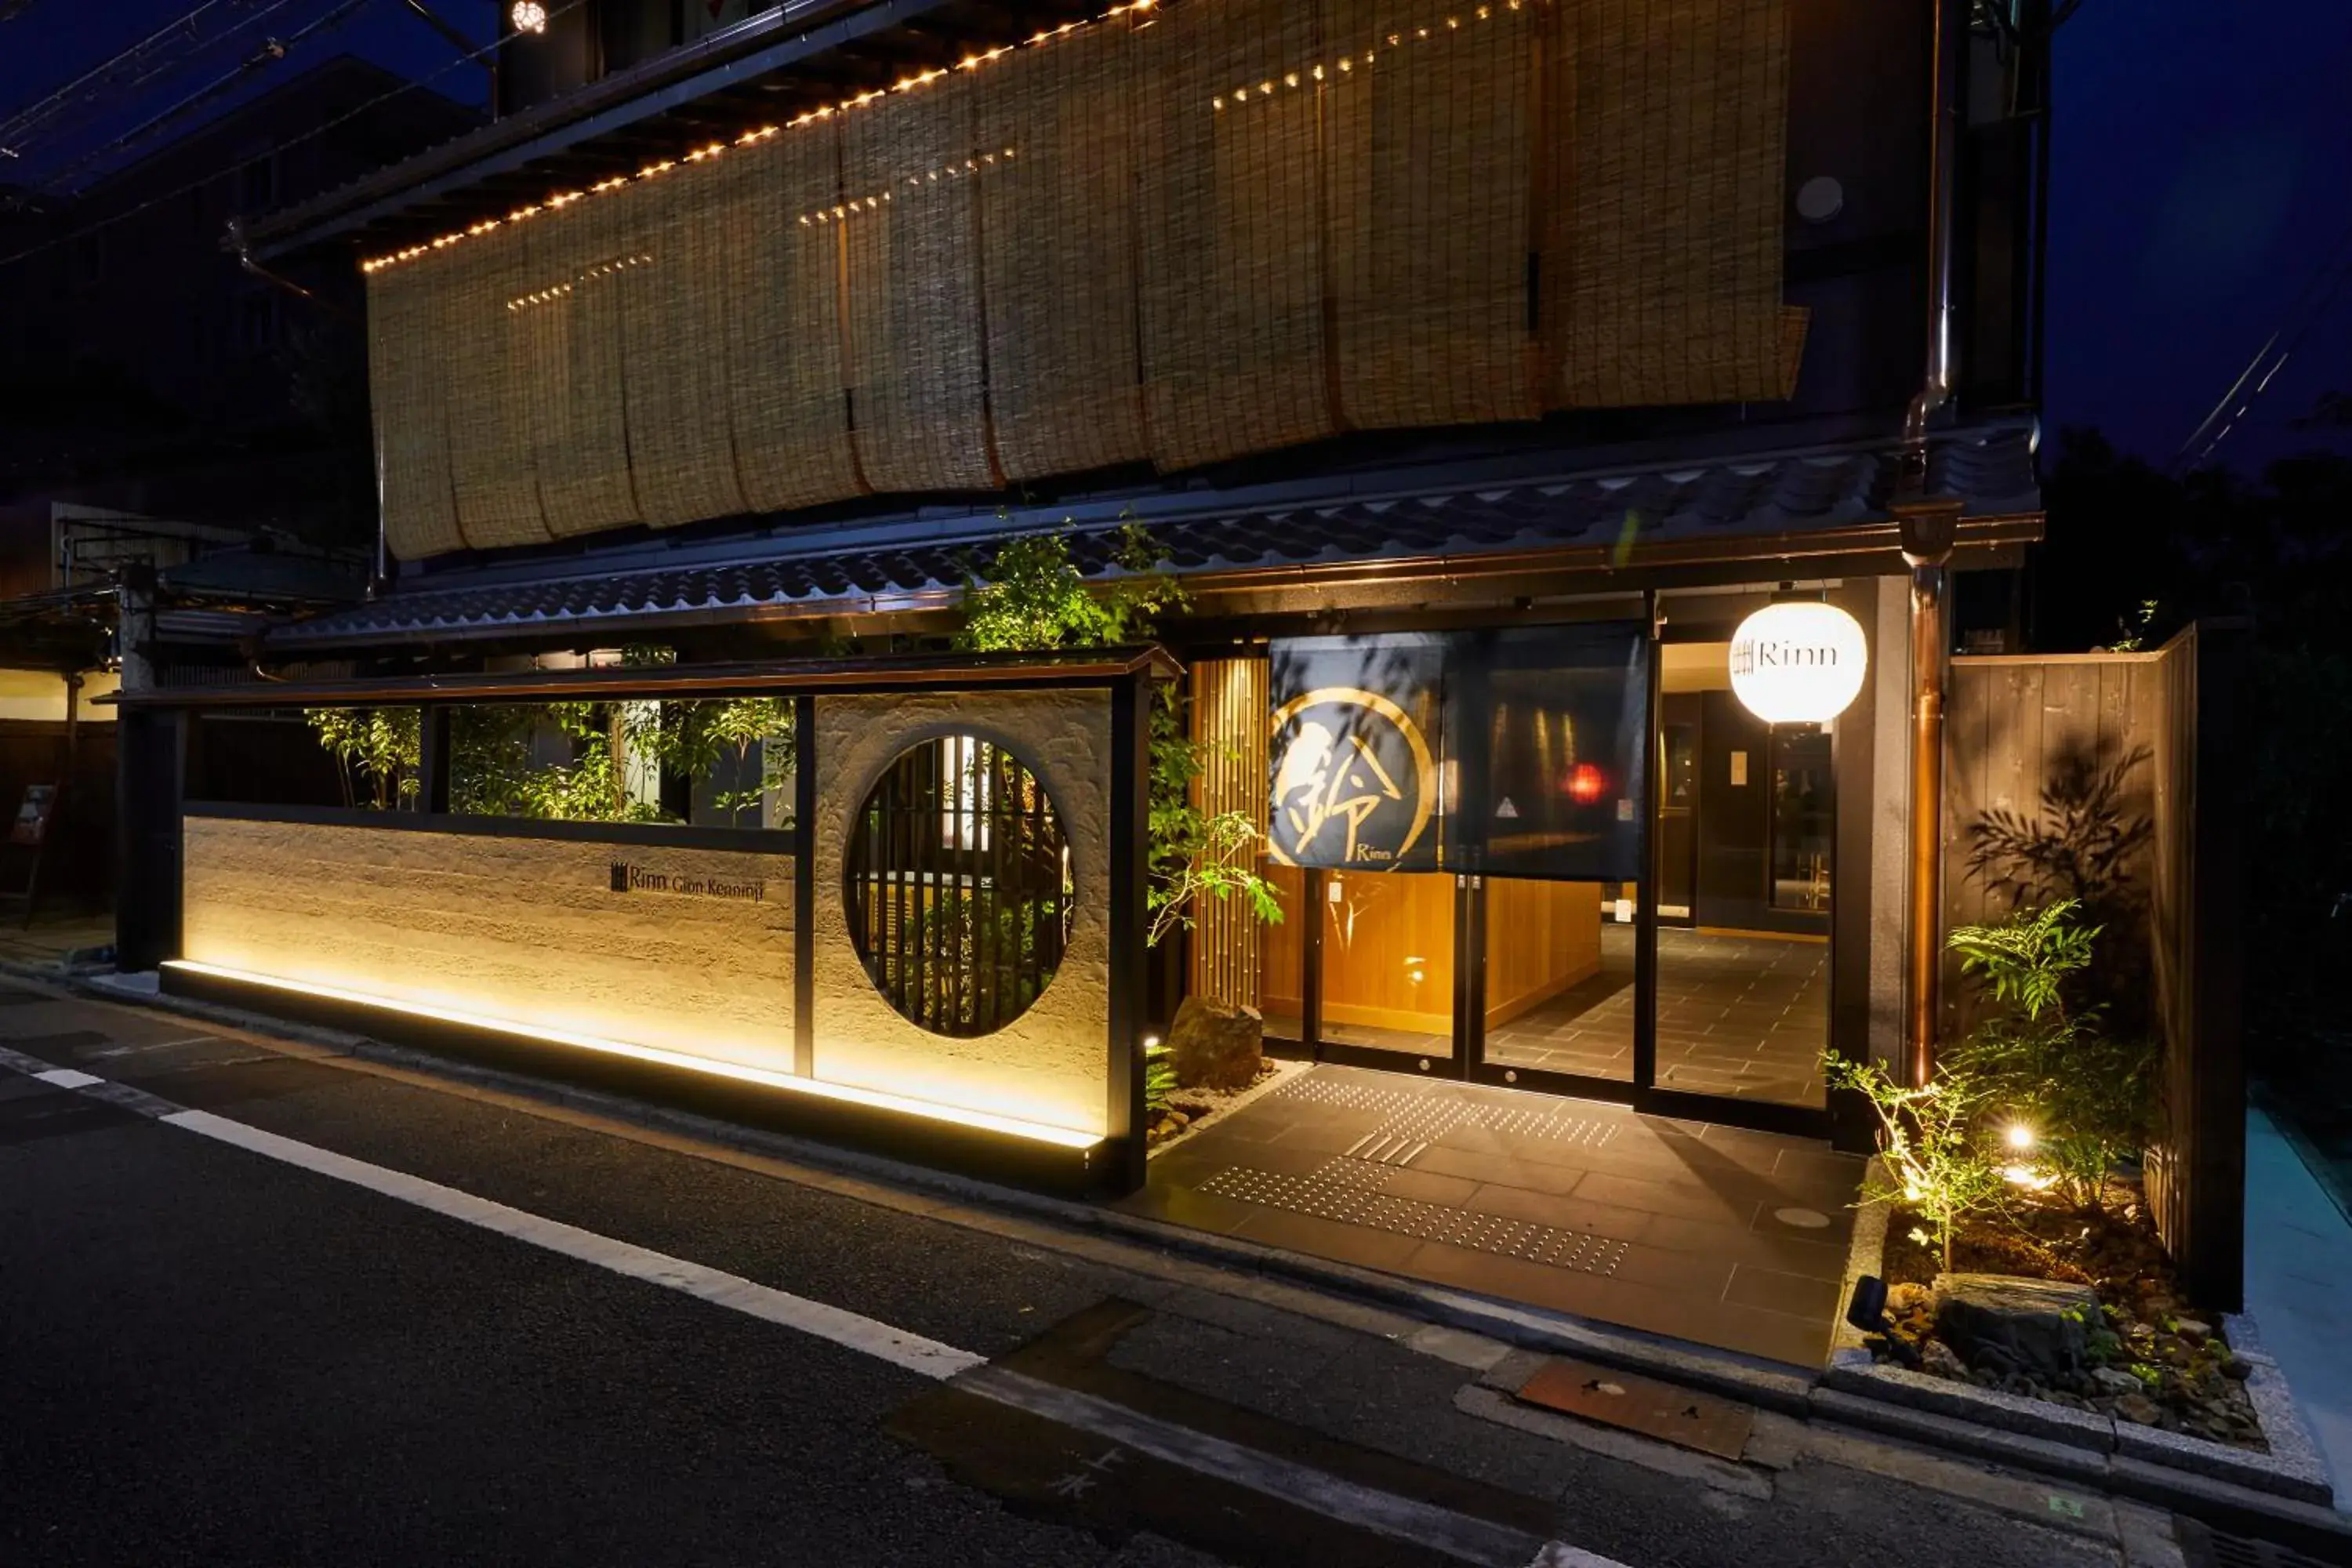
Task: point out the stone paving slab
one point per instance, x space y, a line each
1723 1237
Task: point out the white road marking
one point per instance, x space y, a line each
732 1291
1461 1536
156 1045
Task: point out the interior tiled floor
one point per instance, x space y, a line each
1741 1015
1728 1237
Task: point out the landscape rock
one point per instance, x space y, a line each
1936 1357
2114 1380
2139 1408
1216 1045
2036 1326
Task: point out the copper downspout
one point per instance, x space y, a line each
1928 524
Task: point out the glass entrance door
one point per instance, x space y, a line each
1391 967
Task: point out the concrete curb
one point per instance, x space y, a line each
2239 1489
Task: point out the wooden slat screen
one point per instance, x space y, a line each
1234 345
404 384
1058 225
1224 227
1229 698
2137 749
918 376
1429 170
774 206
674 326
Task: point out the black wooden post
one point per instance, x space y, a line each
803 885
1126 1123
1645 902
433 761
1854 770
2210 1127
150 750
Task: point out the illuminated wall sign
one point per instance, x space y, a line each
1798 663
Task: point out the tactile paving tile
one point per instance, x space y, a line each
1424 1115
1349 1191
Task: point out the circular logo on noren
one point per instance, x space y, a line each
1354 782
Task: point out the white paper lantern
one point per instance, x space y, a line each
1798 663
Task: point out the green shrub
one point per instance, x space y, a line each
2048 1062
1931 1140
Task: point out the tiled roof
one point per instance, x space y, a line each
861 567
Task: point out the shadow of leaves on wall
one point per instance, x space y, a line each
2089 838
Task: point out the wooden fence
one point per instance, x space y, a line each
2118 778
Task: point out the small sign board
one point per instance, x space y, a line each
32 814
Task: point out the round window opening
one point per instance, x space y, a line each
957 886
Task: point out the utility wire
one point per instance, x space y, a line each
26 119
272 50
2310 307
317 130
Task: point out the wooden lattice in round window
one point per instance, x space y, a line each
957 886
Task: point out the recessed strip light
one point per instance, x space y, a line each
848 1094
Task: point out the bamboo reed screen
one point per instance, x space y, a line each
1428 189
781 321
674 320
584 262
404 381
1669 120
918 375
482 350
1235 353
1057 233
1230 704
1242 226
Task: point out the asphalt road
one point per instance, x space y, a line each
212 1355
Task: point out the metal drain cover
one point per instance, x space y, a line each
1635 1404
2206 1547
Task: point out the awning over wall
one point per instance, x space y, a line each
921 560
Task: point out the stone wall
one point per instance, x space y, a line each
525 930
1052 1063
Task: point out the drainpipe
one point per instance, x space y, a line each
1928 524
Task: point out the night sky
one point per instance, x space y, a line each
2202 178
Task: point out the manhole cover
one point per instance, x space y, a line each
1803 1219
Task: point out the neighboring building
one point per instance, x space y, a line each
143 367
1478 368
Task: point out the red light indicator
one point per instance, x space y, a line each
1586 784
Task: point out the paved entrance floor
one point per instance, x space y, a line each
1728 1237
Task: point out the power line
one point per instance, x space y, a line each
2309 308
317 130
270 54
27 118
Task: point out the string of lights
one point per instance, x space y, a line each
469 57
1314 72
1345 64
557 200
